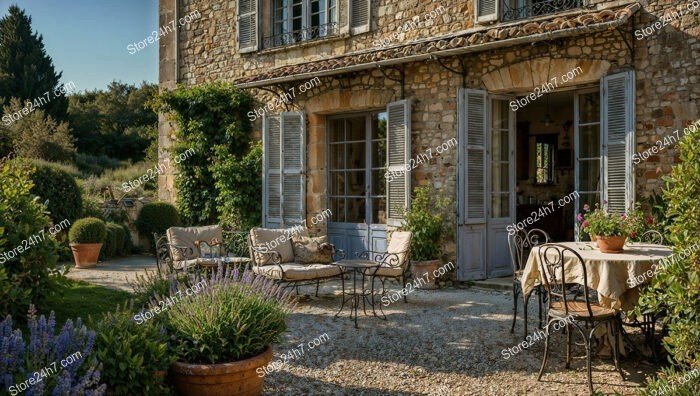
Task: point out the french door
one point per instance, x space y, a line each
356 183
486 184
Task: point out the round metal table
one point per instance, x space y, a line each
354 295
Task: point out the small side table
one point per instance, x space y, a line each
354 296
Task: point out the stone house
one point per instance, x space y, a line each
502 105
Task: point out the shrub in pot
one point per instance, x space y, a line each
610 230
425 220
222 332
86 237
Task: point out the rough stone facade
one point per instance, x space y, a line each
666 64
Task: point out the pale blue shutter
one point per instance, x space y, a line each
247 25
293 168
618 138
398 142
272 165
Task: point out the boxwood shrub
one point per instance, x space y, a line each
88 230
156 217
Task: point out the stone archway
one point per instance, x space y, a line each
526 75
317 108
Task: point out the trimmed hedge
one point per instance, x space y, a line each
156 217
65 198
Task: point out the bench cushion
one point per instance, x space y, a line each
297 272
187 236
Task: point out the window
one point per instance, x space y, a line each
509 10
544 155
295 21
357 162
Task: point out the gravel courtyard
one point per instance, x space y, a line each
445 342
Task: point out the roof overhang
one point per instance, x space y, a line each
621 16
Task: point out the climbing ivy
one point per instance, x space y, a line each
211 121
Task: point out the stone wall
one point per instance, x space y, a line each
666 64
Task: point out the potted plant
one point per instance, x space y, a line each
221 333
425 220
610 230
86 237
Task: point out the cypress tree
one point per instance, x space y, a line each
26 70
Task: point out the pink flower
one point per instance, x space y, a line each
585 224
632 234
586 207
579 217
649 220
605 202
623 216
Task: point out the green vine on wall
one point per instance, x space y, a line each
221 182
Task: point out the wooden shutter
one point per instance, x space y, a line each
360 14
293 168
473 115
617 115
247 25
398 152
272 165
486 10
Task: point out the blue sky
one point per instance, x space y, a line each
87 39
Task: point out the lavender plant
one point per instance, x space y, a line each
41 358
235 317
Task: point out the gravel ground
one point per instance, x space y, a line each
443 342
446 342
116 273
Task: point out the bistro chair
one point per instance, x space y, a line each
394 263
647 322
585 316
519 246
653 237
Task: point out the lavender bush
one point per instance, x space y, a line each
19 360
236 316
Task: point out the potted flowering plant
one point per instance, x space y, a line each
610 230
222 333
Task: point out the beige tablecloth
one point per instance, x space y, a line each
607 273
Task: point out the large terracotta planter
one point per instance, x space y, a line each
611 244
236 378
423 273
86 254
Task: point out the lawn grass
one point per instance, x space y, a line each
82 299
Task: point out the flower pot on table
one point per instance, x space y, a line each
611 244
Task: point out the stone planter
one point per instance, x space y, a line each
423 273
611 244
85 254
236 378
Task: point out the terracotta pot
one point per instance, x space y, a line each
236 378
423 273
611 244
85 254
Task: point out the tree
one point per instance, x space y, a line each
26 70
116 122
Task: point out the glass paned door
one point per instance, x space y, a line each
501 180
588 149
356 182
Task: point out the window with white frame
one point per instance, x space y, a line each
294 21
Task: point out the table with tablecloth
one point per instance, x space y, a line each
615 276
